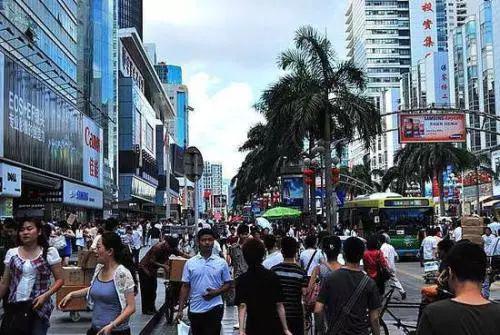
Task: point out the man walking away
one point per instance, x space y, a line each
468 313
351 298
204 279
429 245
259 297
294 282
274 255
390 256
154 234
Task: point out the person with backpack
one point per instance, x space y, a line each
374 263
349 297
331 247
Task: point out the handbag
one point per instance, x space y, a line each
346 310
383 273
18 318
312 294
495 259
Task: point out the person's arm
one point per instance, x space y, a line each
282 315
58 283
5 282
212 293
374 321
318 307
242 315
71 295
183 295
125 314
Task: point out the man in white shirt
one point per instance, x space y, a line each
274 256
390 256
457 233
429 245
311 257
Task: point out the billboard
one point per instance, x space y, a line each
495 166
437 79
40 128
92 153
292 188
428 128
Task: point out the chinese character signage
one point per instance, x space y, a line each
428 128
437 79
92 153
423 30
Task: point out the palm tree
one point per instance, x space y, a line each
430 160
319 97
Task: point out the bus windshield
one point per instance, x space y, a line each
409 219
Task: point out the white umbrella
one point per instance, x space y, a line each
263 223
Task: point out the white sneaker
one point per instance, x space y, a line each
236 326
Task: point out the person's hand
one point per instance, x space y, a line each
242 332
288 332
65 301
180 315
210 294
106 330
40 300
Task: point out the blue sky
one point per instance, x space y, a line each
228 51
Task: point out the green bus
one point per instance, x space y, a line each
401 217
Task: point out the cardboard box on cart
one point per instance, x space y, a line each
176 267
73 276
87 259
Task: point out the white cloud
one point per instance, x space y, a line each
221 119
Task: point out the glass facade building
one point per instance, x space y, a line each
130 14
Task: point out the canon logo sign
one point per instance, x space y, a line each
91 140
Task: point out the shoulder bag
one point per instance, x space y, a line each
333 329
18 318
311 260
383 273
495 259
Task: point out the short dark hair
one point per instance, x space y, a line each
243 229
468 262
310 241
331 246
205 231
372 242
445 245
253 252
289 247
269 242
354 248
10 223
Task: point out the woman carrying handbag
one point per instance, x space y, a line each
375 265
111 291
28 270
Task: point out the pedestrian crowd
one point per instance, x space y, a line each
283 279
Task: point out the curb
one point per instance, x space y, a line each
148 328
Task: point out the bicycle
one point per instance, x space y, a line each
406 328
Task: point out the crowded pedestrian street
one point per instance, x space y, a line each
196 167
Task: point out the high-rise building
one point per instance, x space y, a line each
50 149
212 177
378 41
130 15
171 77
97 78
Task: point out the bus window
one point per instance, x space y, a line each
406 221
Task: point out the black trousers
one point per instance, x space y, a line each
135 256
148 292
208 323
296 325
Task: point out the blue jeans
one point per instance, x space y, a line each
40 326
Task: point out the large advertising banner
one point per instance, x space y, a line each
495 166
428 128
40 128
293 191
92 153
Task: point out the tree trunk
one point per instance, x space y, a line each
439 178
330 205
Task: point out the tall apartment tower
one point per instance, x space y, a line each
130 14
378 41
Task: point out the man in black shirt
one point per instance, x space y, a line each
337 290
468 313
258 296
293 281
